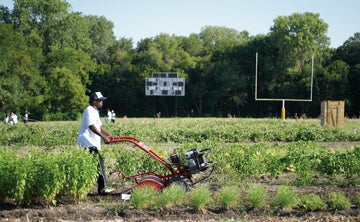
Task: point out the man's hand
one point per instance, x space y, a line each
107 139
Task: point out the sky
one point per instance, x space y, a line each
140 19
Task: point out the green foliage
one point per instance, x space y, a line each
256 196
311 202
78 53
227 196
303 158
285 197
12 174
346 162
170 196
143 197
44 177
69 173
199 197
358 200
81 171
134 161
337 201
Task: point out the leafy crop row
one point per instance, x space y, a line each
307 161
45 177
185 130
52 171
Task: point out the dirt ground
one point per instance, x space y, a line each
95 209
111 208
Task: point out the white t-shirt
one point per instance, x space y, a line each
13 119
86 137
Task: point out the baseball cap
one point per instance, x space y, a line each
97 96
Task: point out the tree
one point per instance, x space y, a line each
298 37
349 52
5 15
293 41
102 37
43 16
226 85
21 83
68 75
72 31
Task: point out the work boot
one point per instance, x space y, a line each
106 191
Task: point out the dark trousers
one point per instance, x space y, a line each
101 177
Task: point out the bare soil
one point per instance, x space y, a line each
112 208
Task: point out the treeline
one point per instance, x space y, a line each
52 58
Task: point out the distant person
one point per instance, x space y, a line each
90 134
108 116
13 119
26 117
6 119
113 116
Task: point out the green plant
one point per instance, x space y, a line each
337 201
80 171
143 196
358 200
13 176
228 196
171 195
199 197
256 195
311 202
285 197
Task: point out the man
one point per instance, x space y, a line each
91 133
26 117
13 119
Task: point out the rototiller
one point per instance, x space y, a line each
181 174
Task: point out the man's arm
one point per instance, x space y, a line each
102 133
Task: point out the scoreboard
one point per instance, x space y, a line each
165 84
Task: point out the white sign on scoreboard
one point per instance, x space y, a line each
165 84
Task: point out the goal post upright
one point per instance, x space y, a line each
283 99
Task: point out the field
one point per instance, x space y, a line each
266 170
